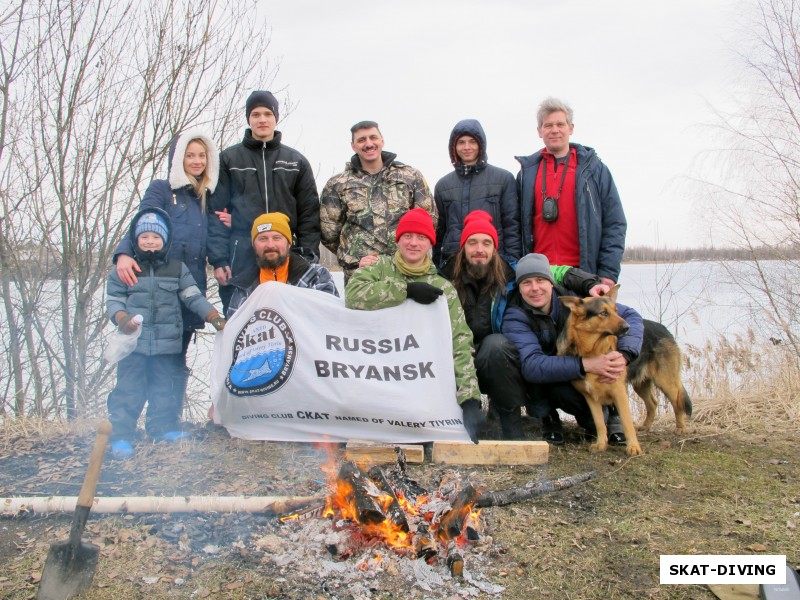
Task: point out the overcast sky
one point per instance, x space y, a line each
640 77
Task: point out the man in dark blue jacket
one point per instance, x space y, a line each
474 184
570 208
534 319
484 280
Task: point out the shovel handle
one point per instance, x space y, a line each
86 497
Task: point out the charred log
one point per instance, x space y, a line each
366 509
403 484
452 522
424 544
455 560
394 512
531 490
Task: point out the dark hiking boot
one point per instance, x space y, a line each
552 431
511 424
615 435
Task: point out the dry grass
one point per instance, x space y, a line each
730 486
745 384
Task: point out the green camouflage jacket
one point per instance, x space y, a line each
359 211
382 285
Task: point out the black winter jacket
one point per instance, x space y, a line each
255 178
475 187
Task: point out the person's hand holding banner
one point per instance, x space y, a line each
474 419
422 292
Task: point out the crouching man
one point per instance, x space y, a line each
533 321
410 274
484 280
276 261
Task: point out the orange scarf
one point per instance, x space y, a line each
281 274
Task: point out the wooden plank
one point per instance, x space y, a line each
380 454
490 452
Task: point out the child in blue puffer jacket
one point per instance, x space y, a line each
150 373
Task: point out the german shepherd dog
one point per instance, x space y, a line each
592 329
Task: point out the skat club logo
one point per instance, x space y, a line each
263 355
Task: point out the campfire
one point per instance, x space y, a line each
389 511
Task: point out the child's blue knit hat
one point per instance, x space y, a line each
152 222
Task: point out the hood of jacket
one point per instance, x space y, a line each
177 152
151 257
472 128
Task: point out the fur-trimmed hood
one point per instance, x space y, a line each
177 151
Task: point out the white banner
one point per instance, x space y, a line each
296 365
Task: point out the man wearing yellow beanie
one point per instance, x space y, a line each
271 236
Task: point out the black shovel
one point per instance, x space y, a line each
70 565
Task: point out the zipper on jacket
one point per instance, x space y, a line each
264 162
174 200
591 198
233 255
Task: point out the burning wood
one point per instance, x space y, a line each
356 495
452 523
455 560
391 505
424 543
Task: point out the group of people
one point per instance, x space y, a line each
484 241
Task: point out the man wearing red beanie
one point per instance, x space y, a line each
483 281
411 275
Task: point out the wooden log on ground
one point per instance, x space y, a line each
367 510
380 454
452 522
490 452
273 505
394 512
531 490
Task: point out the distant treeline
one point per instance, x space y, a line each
649 254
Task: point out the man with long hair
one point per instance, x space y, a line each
483 280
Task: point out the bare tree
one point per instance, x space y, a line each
96 104
755 198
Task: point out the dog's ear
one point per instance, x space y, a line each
612 294
571 303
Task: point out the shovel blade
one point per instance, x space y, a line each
68 570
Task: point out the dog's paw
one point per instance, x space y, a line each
598 447
633 449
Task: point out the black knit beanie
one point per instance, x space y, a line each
261 98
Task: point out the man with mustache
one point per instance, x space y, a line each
361 207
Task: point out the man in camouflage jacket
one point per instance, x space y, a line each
410 274
361 207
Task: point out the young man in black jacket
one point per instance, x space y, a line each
260 175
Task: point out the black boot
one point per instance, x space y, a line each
552 431
511 424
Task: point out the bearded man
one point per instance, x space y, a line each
483 280
276 261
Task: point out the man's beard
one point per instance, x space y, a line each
478 271
272 263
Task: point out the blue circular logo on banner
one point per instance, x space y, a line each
263 355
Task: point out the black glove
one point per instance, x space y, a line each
474 419
421 292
